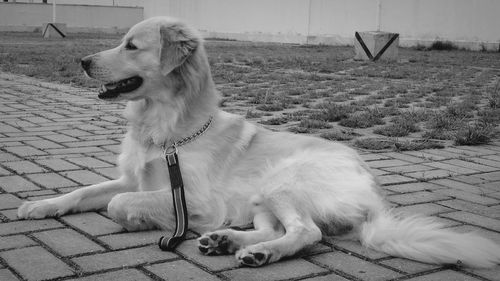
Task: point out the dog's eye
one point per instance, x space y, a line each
130 46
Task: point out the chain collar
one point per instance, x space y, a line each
168 149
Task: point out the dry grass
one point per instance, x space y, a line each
316 89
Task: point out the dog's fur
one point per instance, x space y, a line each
294 188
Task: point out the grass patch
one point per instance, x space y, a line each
363 119
275 121
339 135
442 46
475 134
396 145
332 112
314 124
253 114
400 128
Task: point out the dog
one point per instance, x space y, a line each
295 189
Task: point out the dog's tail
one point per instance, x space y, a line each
422 239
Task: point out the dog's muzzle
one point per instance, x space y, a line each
113 89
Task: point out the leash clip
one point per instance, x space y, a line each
170 153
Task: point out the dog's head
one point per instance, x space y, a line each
149 52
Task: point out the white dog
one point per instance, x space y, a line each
294 188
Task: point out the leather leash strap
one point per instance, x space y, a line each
181 215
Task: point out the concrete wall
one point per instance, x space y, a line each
469 23
84 18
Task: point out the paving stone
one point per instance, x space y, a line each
409 266
32 263
491 274
447 275
8 201
425 155
461 186
416 197
451 168
179 271
403 157
412 187
10 214
111 172
27 226
393 179
94 143
356 247
467 196
67 242
374 157
329 277
4 172
354 266
15 241
462 152
51 180
430 175
24 150
57 164
427 209
132 239
16 184
471 165
6 157
89 162
84 177
482 210
282 270
493 176
408 168
492 235
43 144
387 163
488 162
189 249
60 138
118 259
471 179
474 219
121 275
4 128
23 167
92 223
72 150
74 132
7 275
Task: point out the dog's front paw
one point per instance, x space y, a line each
216 243
255 256
38 210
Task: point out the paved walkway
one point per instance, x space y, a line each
54 139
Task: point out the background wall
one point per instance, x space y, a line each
468 23
79 18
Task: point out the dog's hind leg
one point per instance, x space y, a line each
142 210
300 232
228 241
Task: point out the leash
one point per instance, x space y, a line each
177 186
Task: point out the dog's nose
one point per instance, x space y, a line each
86 63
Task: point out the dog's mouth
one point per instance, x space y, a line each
114 89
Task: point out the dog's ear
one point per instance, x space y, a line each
176 46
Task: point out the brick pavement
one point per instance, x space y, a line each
56 138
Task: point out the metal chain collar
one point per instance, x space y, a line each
175 144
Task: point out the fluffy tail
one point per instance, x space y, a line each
422 239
